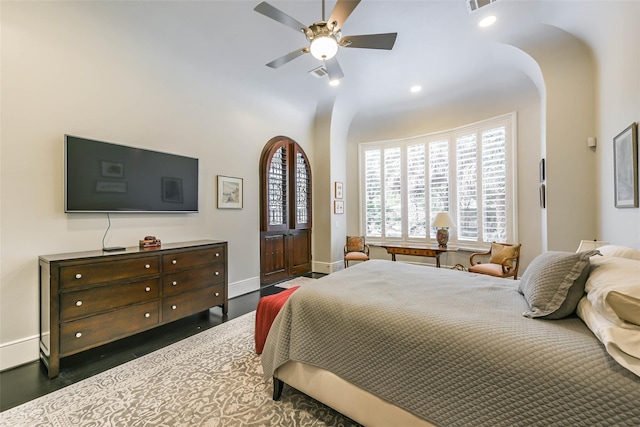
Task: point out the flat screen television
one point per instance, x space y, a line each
105 177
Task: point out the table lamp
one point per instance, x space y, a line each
442 222
588 245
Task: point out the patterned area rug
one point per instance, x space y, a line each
298 281
213 378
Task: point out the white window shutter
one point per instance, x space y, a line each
438 179
467 187
373 192
392 192
494 177
416 192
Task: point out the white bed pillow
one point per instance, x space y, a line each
622 344
613 287
619 251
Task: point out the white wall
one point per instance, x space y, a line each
106 70
612 32
87 69
588 85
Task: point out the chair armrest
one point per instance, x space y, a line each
510 264
478 254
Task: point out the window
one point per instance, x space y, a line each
468 172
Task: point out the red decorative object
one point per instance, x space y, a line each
266 312
442 236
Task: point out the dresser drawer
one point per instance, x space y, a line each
188 303
77 304
88 274
189 259
192 279
93 331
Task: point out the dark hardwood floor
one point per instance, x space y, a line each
26 382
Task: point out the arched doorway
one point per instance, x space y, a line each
285 211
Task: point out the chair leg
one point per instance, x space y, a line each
346 263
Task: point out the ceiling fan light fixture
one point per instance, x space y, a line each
324 47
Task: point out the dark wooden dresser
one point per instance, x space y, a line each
91 298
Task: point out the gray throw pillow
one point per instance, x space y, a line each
554 283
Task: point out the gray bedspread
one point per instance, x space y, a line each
453 348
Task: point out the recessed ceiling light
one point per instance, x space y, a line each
334 82
416 89
488 21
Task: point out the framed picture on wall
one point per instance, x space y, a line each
338 190
229 192
625 166
338 207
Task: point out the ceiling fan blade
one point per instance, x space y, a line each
288 57
341 11
274 13
370 41
333 69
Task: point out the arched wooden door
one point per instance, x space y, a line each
285 211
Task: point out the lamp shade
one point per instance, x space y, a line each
589 245
442 220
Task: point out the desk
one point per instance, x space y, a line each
418 250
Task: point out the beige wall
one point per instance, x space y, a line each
85 68
111 85
586 85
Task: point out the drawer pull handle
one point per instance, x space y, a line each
217 294
147 315
78 276
217 254
147 266
217 273
78 334
147 289
174 262
173 307
78 303
174 283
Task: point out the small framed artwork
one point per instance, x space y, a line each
229 192
543 196
338 207
625 165
542 170
338 190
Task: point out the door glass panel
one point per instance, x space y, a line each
302 189
277 187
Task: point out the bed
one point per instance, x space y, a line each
397 344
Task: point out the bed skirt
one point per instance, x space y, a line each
346 398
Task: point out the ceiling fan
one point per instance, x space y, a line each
325 37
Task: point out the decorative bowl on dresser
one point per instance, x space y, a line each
88 299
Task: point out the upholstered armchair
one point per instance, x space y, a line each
504 260
355 250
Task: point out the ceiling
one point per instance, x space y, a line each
439 47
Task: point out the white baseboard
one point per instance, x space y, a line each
19 352
244 287
327 267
